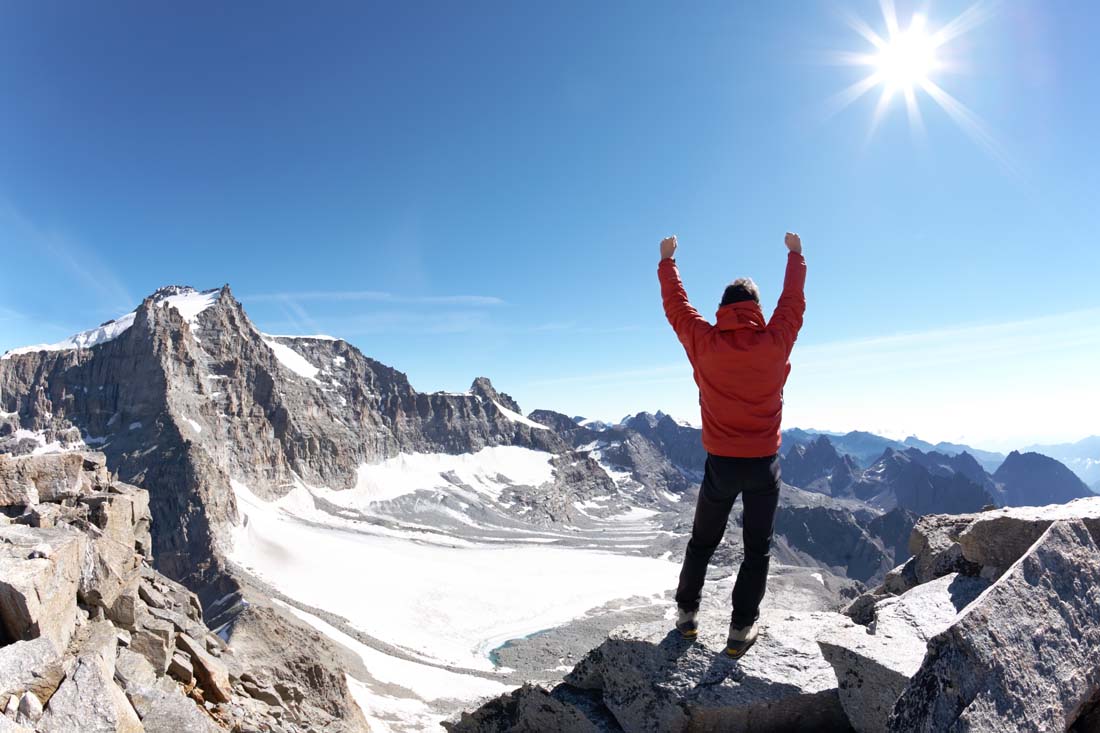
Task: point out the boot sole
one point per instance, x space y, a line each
738 653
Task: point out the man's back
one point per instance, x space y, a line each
741 363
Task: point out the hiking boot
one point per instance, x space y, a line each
685 623
740 639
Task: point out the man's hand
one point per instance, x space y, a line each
793 242
668 247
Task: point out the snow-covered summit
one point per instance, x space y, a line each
187 301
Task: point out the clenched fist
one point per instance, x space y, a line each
668 247
793 242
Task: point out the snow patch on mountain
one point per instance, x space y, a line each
189 303
481 471
83 340
291 359
516 417
315 337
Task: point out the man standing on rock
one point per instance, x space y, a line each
741 365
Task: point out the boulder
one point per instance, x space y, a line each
211 673
997 539
34 665
112 564
873 665
528 709
180 668
164 709
179 621
935 548
155 640
89 701
133 670
27 480
1025 655
38 596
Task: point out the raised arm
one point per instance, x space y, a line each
787 318
685 320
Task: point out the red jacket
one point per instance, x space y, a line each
741 364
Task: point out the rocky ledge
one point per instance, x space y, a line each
992 624
93 639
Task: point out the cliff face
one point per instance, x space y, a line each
93 639
192 394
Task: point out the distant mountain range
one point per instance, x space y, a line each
867 447
1082 457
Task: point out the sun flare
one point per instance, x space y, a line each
906 62
908 57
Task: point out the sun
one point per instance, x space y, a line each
907 58
906 62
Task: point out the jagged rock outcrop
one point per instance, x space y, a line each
874 665
93 639
907 479
1026 655
681 444
291 665
646 678
816 466
528 709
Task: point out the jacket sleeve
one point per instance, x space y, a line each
685 320
787 318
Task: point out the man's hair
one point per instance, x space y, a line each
741 289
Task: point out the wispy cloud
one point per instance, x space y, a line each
403 322
70 256
953 345
645 375
376 296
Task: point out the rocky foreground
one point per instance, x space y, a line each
93 639
992 625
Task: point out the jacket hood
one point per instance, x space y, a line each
745 314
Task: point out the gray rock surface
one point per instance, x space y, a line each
38 596
1025 655
211 673
528 709
167 711
27 480
652 680
34 665
999 538
133 670
297 663
647 678
88 701
874 665
93 550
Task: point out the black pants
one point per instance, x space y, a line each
756 480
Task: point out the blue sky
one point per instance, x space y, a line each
480 188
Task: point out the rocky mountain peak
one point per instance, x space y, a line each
484 388
1027 478
168 291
